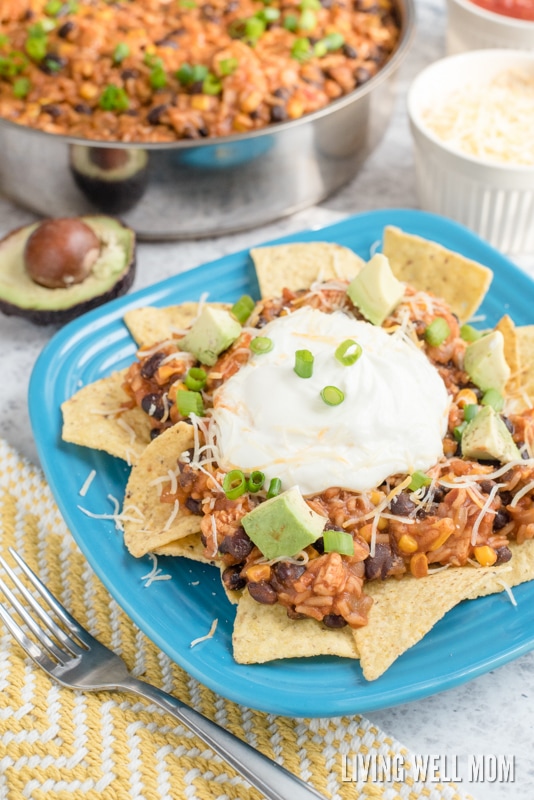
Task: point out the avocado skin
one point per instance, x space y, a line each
50 316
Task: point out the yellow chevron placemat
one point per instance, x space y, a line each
56 744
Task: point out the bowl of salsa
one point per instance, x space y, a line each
482 24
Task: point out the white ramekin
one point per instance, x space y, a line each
470 27
495 201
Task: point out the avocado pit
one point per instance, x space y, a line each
61 252
53 271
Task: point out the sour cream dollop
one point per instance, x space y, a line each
392 420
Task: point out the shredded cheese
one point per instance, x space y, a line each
207 636
155 573
508 591
87 483
172 517
492 121
485 510
522 492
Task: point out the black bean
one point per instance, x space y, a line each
285 573
331 527
236 544
292 614
195 506
362 75
402 505
282 93
319 545
486 486
508 422
149 367
167 43
51 109
232 578
126 74
262 592
152 404
154 433
196 87
506 497
525 455
502 518
439 494
155 114
504 554
65 29
52 63
326 3
203 131
378 566
334 621
349 51
83 108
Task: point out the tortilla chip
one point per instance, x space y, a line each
429 267
405 610
154 532
90 419
263 633
150 325
511 353
516 571
189 547
525 343
296 266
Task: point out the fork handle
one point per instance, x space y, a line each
273 780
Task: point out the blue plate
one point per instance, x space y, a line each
473 638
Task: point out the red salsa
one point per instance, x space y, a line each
520 9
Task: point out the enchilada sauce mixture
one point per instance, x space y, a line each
466 512
161 70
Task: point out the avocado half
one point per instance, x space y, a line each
113 179
111 275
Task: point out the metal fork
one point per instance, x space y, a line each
75 659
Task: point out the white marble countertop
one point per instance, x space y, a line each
492 715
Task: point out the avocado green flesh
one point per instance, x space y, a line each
486 437
375 290
283 525
17 288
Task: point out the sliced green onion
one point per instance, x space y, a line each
211 84
459 431
275 487
320 49
185 74
261 345
195 379
234 484
290 23
470 334
303 363
494 399
338 542
332 396
199 72
269 14
313 4
114 98
187 3
120 52
53 7
243 308
158 77
21 87
307 20
13 64
470 411
301 49
255 481
36 47
188 402
254 28
419 479
227 66
333 41
437 332
348 352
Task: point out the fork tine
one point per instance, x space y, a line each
40 634
25 642
73 625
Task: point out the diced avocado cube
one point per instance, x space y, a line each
283 525
375 290
485 363
486 437
211 333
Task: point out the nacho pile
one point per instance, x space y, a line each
479 515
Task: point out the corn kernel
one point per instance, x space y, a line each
441 539
164 373
419 565
242 123
295 109
382 524
366 532
88 91
376 497
258 572
485 555
407 543
201 102
466 397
